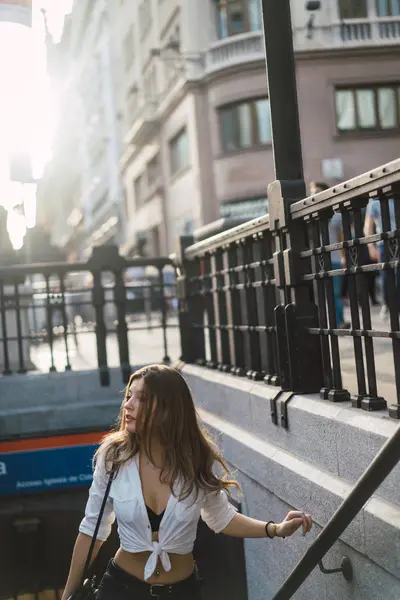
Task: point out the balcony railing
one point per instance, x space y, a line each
235 50
249 47
379 30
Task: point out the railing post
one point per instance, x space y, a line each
107 258
300 354
191 307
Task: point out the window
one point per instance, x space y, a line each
388 8
245 125
238 16
129 49
153 171
369 108
179 152
138 189
353 9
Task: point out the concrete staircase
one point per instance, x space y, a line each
312 465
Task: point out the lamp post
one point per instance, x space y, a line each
277 26
296 311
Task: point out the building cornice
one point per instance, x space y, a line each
346 52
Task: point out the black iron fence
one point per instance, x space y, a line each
256 301
259 300
49 310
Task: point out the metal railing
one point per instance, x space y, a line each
47 311
259 299
228 297
315 265
379 469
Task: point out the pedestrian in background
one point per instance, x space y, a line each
338 257
372 225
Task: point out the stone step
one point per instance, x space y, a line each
275 481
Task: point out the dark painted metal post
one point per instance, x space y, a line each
103 258
6 356
163 307
49 315
191 307
122 328
220 302
208 283
63 308
282 90
302 372
17 300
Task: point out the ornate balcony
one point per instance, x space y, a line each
143 126
235 50
360 32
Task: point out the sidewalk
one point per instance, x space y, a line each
147 347
383 353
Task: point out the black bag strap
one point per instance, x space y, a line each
96 531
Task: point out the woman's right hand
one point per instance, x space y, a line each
292 522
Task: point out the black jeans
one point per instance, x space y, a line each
117 584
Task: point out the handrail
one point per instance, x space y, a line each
62 268
230 236
384 462
366 184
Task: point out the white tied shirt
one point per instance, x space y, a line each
178 527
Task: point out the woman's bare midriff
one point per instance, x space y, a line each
182 566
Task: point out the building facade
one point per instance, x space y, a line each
196 106
86 147
188 109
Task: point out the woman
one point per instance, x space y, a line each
164 481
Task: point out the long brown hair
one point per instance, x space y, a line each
167 413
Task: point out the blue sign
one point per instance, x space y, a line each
47 469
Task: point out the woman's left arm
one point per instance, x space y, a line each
246 527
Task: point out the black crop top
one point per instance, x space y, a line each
154 518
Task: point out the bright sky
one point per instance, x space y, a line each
27 105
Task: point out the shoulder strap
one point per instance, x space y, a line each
96 531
